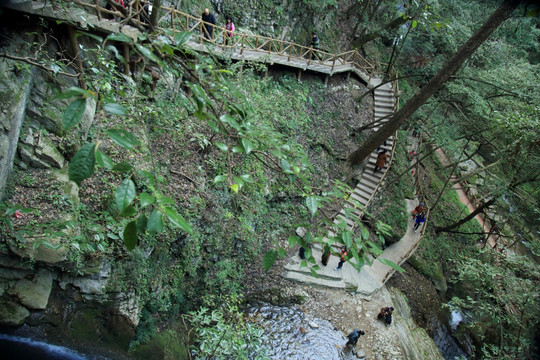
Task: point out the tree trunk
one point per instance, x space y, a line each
436 82
467 218
397 22
154 16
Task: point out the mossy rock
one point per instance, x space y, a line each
169 344
431 271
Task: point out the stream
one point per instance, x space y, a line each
293 335
21 348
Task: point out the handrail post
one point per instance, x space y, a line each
334 62
243 44
201 34
172 19
290 53
309 57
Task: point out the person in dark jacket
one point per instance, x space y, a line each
420 219
354 336
386 314
381 161
208 29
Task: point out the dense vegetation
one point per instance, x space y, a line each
187 186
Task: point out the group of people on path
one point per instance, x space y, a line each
385 315
210 22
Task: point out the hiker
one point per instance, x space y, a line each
381 160
326 255
208 29
342 255
379 147
314 44
229 26
354 336
417 210
420 219
386 314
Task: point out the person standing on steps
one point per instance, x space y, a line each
386 314
381 161
342 255
208 29
229 26
420 219
354 336
417 210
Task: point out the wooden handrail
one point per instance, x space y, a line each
177 21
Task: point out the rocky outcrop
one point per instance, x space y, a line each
415 342
34 293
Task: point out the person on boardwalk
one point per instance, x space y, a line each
417 210
208 29
420 219
314 44
342 255
386 314
229 26
381 160
354 336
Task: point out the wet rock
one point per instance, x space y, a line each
34 294
12 314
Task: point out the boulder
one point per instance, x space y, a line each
50 255
39 151
12 314
34 294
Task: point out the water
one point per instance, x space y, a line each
291 334
20 348
456 319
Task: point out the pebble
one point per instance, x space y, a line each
313 325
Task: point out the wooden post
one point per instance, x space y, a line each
309 56
126 59
77 56
290 52
334 62
98 9
266 72
242 48
201 33
299 75
326 80
172 19
348 75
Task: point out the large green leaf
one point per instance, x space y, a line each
155 222
142 222
347 238
114 108
391 264
146 199
74 113
104 161
147 53
82 165
178 220
125 194
182 38
123 138
248 146
269 259
312 204
120 37
130 235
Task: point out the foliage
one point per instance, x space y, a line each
224 333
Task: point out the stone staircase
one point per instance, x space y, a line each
369 183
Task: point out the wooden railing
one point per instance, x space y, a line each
170 19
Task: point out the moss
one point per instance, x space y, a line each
169 344
85 324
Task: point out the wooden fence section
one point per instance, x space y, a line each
136 14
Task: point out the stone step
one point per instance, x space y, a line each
361 193
368 185
309 279
384 106
325 272
384 100
373 178
362 199
341 218
355 212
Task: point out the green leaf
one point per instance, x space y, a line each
314 273
75 91
82 165
146 199
155 222
125 194
130 235
147 52
347 238
182 38
312 204
293 240
365 233
219 178
123 138
269 259
115 109
248 146
74 113
122 167
120 37
178 220
235 188
414 24
228 119
285 165
165 200
282 252
222 146
104 161
129 211
142 222
391 264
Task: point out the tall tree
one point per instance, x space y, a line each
436 82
